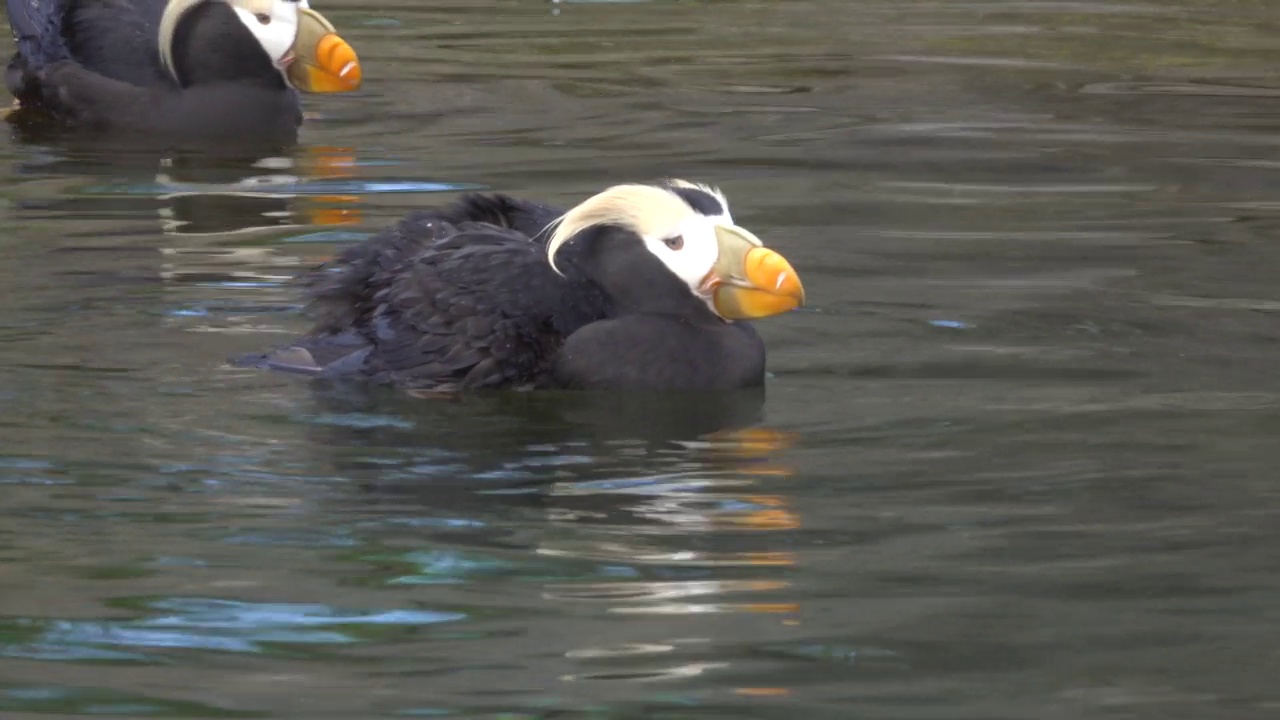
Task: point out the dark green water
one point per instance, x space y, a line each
1018 459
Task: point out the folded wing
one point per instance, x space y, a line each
452 299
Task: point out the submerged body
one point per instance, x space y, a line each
212 70
468 297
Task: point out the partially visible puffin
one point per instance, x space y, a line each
640 287
214 70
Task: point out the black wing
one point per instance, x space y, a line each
444 301
113 38
74 50
527 218
118 39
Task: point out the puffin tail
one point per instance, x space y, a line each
37 31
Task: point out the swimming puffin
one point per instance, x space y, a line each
215 70
640 287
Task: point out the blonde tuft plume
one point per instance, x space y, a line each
646 210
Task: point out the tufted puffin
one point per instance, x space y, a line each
640 287
215 70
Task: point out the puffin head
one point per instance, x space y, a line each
219 40
655 247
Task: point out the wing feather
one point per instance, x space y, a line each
457 298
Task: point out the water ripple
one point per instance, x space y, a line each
202 624
65 701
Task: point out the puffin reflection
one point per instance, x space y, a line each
644 508
200 194
270 194
529 437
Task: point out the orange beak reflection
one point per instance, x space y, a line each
749 280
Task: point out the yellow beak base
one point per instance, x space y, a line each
751 281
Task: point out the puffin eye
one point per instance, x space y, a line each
263 18
675 243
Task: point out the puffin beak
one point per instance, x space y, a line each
320 61
750 280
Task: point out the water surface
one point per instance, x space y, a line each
1015 461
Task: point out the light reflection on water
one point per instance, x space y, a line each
206 624
1015 461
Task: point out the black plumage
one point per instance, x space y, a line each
464 297
95 66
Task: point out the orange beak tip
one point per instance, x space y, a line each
334 68
771 273
351 74
764 284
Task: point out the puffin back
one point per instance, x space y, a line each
456 297
117 39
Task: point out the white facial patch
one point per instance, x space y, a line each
274 25
692 259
